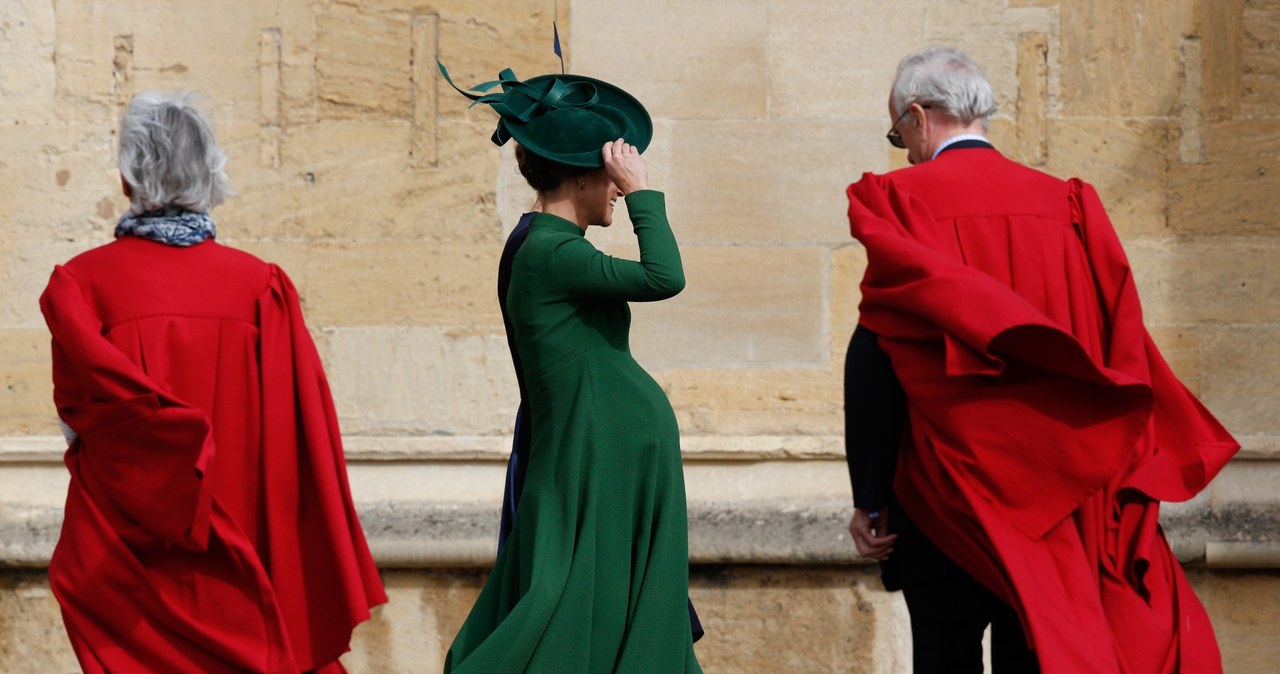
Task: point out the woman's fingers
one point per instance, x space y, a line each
625 166
620 148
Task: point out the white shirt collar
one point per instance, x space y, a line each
956 139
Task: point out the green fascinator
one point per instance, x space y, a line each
564 118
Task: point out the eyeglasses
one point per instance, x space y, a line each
895 138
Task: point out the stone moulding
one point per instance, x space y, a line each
752 500
49 449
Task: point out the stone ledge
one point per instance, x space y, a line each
49 448
1263 446
427 535
434 502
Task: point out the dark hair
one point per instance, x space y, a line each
542 174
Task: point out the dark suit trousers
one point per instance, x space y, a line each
948 616
949 609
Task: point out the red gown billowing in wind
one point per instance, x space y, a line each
1045 425
209 526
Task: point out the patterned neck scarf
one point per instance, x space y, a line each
172 226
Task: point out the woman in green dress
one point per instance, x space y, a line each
594 574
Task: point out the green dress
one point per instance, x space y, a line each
595 575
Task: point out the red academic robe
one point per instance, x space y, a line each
1045 425
209 526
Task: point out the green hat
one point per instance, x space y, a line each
564 118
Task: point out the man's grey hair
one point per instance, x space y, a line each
168 154
945 78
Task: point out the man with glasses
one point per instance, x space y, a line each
1010 426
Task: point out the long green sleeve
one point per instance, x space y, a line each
582 271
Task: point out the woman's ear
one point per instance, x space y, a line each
124 187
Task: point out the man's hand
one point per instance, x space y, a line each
867 532
625 167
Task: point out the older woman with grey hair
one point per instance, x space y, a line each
169 159
209 526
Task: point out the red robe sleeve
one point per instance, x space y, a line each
319 562
152 453
1189 446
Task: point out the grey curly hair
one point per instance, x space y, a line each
946 78
168 154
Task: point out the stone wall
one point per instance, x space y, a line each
764 619
374 185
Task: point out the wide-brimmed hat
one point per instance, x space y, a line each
564 118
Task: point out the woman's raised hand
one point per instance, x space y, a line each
624 166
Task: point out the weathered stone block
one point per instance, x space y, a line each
1239 375
363 61
1121 58
466 496
455 200
1191 98
225 55
84 51
848 263
830 620
1032 103
352 180
989 31
27 391
479 38
690 72
836 619
1124 160
297 25
1260 57
824 63
1236 190
1261 446
401 283
28 69
425 34
24 272
1004 133
741 307
514 197
35 641
1218 26
351 163
414 629
61 183
1239 603
756 401
775 485
1248 484
768 182
421 380
1180 346
1227 280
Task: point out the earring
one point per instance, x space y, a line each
582 184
